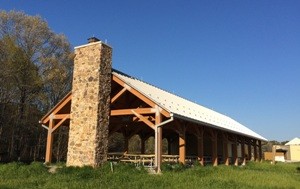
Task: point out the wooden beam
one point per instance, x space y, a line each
57 108
198 131
134 92
149 117
113 99
235 151
225 148
145 120
61 116
67 116
255 149
182 144
200 145
249 150
214 147
139 95
259 151
121 112
243 151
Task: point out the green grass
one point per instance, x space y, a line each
253 175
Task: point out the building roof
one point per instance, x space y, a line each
295 141
185 109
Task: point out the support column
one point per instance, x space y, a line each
214 140
235 152
243 151
255 149
200 146
158 143
200 151
49 147
249 150
182 146
225 149
259 151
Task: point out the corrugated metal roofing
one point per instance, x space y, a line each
186 109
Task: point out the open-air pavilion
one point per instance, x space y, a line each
193 132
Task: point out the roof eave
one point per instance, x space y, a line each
52 109
216 127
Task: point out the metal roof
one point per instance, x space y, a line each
295 141
186 109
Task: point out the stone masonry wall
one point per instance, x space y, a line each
90 109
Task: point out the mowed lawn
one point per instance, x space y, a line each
253 175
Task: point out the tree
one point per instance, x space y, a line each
36 71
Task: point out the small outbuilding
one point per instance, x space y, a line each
294 149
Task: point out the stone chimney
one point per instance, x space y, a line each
90 109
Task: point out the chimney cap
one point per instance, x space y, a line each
93 39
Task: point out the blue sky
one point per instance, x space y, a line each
240 58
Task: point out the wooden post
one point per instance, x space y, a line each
182 147
158 143
200 146
48 158
249 150
225 149
235 152
214 140
255 149
243 151
260 150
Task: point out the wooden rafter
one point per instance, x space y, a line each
67 116
139 95
57 108
114 98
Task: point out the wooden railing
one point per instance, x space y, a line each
148 159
